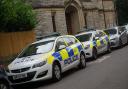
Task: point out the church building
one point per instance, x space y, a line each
70 16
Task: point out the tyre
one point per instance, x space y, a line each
4 85
108 48
94 54
82 64
120 43
56 72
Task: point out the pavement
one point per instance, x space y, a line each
109 71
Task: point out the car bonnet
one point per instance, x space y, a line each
28 61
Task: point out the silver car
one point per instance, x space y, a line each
118 36
95 42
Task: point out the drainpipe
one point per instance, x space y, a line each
104 14
115 9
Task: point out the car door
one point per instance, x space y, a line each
72 51
61 53
104 38
98 42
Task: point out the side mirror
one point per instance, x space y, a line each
96 38
119 32
61 47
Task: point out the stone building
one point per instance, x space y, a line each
69 16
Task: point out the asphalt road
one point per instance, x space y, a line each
109 71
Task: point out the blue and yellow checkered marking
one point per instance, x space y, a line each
79 47
57 55
66 54
70 51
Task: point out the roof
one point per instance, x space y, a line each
47 39
85 33
52 38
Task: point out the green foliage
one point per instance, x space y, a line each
122 10
16 15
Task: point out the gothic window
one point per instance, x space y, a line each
53 21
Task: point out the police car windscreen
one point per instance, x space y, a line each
38 48
110 31
84 37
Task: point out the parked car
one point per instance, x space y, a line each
47 58
53 34
86 30
118 36
126 26
4 82
95 42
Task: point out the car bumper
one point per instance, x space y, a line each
36 74
114 43
88 52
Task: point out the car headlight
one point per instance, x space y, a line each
39 64
87 46
114 39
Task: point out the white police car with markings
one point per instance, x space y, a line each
95 42
47 58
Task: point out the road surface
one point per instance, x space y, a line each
109 71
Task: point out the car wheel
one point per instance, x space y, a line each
56 72
82 64
120 43
3 85
109 48
94 54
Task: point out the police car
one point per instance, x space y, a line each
47 58
118 36
95 42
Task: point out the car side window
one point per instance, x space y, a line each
94 39
73 40
60 44
97 35
101 34
121 30
68 41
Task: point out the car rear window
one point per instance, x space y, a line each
84 37
110 31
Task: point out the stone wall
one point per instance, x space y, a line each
92 18
45 25
44 22
110 19
94 10
61 22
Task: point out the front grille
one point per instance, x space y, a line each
29 77
112 43
20 70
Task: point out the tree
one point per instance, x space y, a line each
16 15
122 10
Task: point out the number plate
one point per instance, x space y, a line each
19 76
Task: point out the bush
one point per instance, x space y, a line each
16 15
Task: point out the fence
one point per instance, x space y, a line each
12 43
